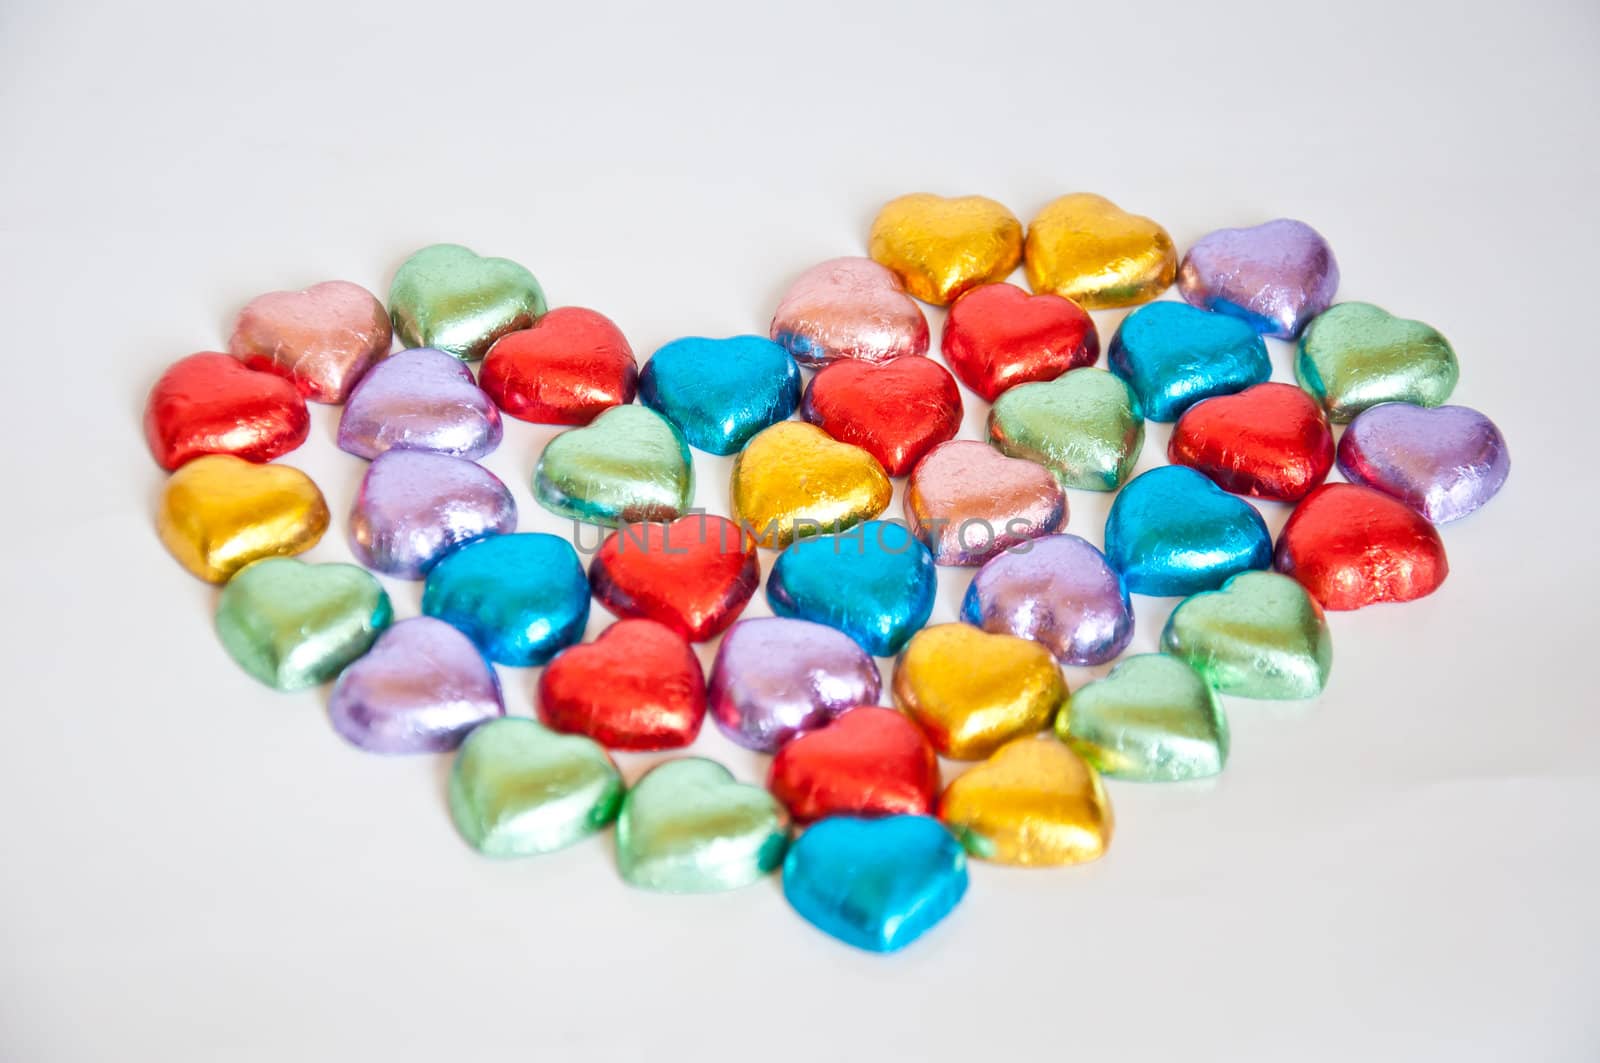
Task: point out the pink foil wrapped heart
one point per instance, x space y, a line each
968 502
849 308
323 338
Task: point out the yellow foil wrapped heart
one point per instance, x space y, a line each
1034 803
793 480
941 247
1087 248
972 691
219 513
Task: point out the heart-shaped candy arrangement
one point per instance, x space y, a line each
882 851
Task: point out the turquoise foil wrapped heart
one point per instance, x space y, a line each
1173 355
719 393
521 598
877 884
629 465
876 583
1172 532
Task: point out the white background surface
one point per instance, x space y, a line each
195 868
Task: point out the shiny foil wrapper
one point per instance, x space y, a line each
896 411
419 400
1268 441
629 466
1060 592
1084 426
1172 532
689 827
1034 803
521 598
415 506
209 403
971 692
1356 356
569 367
519 789
876 585
293 625
219 513
967 502
869 761
324 338
1276 276
637 687
1086 248
421 688
1444 463
849 308
695 574
719 393
775 678
449 297
1152 719
940 248
793 481
877 884
1351 547
1259 636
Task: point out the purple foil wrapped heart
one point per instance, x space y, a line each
1059 591
775 678
1277 276
1444 462
422 399
414 506
420 689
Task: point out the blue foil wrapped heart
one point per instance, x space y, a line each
876 583
1173 532
521 598
1173 355
877 884
721 392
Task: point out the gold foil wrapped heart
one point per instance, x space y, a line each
939 247
1087 248
1035 803
971 691
219 513
793 481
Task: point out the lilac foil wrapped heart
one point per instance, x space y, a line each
1277 276
1444 462
414 506
1059 591
420 689
422 399
775 678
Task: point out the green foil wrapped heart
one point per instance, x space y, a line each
518 788
1085 426
1259 635
448 297
1152 719
293 625
629 465
1356 355
688 827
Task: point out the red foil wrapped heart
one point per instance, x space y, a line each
570 367
896 411
869 761
637 686
1352 546
1268 441
211 403
998 336
694 575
